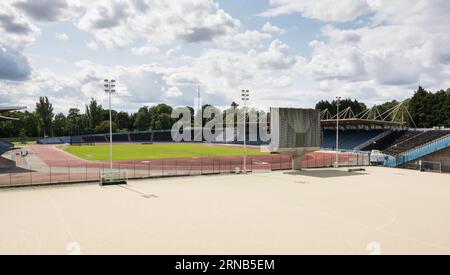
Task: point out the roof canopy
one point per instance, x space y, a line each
5 109
395 117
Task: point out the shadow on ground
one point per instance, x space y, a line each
324 173
14 170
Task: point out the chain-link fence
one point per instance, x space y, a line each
145 169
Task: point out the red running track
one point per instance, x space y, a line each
55 157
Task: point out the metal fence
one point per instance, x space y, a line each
146 169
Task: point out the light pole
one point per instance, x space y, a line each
245 98
338 102
110 86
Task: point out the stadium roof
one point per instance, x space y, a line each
397 116
5 109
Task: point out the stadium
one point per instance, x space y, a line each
218 127
361 206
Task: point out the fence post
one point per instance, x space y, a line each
163 167
176 167
86 172
10 179
50 174
134 169
31 175
148 168
68 169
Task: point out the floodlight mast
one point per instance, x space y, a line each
338 103
245 98
110 86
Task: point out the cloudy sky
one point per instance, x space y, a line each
287 52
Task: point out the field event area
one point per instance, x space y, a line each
314 211
156 151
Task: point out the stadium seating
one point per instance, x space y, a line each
119 138
387 141
411 140
5 147
141 137
348 139
55 140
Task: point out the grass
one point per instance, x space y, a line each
156 151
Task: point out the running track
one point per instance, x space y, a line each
55 157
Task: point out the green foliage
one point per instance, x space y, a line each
44 109
356 106
427 110
103 127
94 113
430 109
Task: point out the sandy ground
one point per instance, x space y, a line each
381 211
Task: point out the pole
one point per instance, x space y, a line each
245 136
110 88
337 132
110 135
245 98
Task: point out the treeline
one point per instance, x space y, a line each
42 122
427 109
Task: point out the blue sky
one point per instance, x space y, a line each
287 52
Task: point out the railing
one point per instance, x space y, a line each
418 152
147 169
371 141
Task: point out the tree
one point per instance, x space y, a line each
123 121
356 106
94 113
60 125
44 109
74 121
144 119
31 124
103 127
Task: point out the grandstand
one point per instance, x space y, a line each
348 139
4 145
411 140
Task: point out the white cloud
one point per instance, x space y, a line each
145 50
248 39
221 74
405 46
173 92
119 23
48 10
15 29
324 10
277 57
92 45
268 27
61 36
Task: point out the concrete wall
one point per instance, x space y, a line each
442 156
6 163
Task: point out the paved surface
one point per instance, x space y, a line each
53 156
329 211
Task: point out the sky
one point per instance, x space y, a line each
288 53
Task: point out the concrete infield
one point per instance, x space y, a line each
321 211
